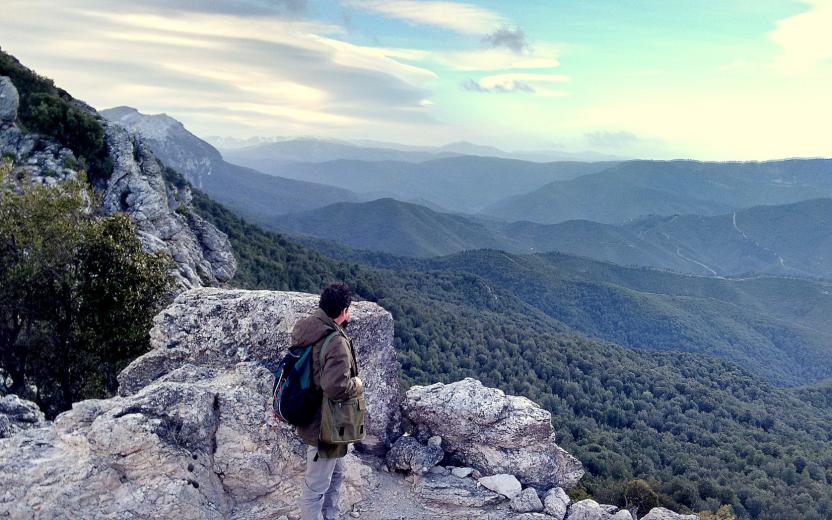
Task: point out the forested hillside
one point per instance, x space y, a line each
702 431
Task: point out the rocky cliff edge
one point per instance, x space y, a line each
191 434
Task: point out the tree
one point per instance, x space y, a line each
78 292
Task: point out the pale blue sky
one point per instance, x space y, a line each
731 79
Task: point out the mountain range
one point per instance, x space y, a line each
792 239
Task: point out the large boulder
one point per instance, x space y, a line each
220 328
9 101
18 414
197 443
492 432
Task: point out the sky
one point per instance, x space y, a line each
703 79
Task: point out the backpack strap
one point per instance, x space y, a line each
323 348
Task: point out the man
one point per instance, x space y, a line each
338 379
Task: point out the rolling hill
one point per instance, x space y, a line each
636 189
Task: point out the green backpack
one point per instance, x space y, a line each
342 422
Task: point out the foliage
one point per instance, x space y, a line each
723 513
50 111
79 294
680 419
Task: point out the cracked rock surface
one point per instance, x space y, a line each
492 432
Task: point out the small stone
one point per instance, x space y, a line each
476 474
503 483
354 514
527 501
556 502
461 472
435 441
438 470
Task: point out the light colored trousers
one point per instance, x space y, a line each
321 487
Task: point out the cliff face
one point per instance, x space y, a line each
137 186
191 433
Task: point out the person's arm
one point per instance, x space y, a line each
336 380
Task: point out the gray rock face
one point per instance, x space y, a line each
587 510
137 187
527 502
202 253
451 491
197 443
18 414
408 454
556 503
9 101
170 142
660 513
504 484
492 432
219 328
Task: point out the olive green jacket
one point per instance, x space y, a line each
339 377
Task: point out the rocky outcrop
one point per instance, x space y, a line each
660 513
9 101
492 432
220 328
170 142
191 434
161 212
18 414
137 187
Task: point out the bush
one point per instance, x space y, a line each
78 297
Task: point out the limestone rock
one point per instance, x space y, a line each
503 483
527 501
219 328
622 515
408 454
660 513
197 443
451 491
18 414
462 472
9 101
492 432
587 510
137 187
556 502
531 516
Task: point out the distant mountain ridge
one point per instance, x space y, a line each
464 184
258 196
635 189
791 240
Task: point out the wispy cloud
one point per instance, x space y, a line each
455 16
276 71
528 83
804 38
496 59
512 39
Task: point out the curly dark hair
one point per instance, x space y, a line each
335 298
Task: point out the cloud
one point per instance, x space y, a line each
455 16
528 83
512 39
804 38
254 73
608 139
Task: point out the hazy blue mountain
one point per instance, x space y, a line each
323 150
255 195
792 239
462 184
391 226
636 189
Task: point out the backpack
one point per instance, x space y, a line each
295 399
